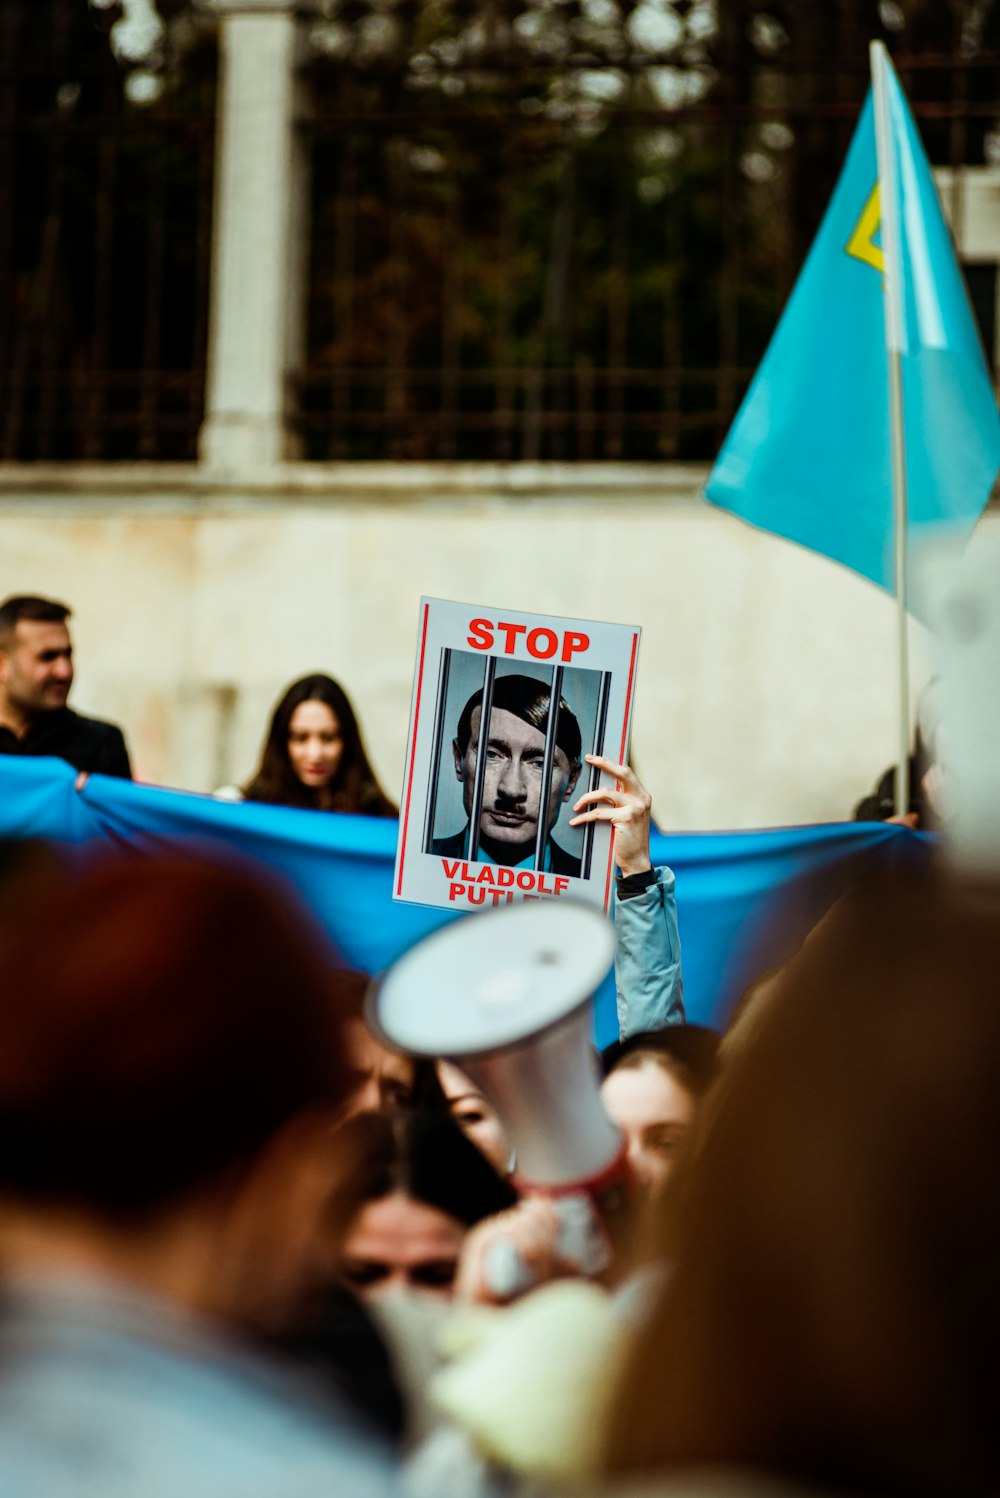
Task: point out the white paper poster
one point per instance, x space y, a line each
470 830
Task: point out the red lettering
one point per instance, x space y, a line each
572 643
455 891
535 647
511 631
450 869
476 896
481 634
525 880
543 888
485 875
542 643
505 877
561 886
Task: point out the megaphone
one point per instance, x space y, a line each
505 994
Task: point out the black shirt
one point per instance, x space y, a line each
86 743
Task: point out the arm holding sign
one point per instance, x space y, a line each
648 958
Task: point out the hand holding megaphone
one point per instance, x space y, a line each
506 995
542 1238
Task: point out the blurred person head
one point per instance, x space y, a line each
475 1115
314 755
652 1086
929 772
831 1313
409 1186
36 659
166 1036
379 1078
27 867
515 755
931 755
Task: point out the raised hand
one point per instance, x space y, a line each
626 805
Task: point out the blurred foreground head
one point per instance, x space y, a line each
832 1314
160 1020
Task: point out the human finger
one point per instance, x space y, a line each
604 794
622 814
525 1235
620 772
600 814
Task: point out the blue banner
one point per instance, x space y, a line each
730 886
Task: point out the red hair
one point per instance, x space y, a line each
160 1018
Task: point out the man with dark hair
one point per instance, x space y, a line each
512 784
36 674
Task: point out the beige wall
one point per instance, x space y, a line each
766 678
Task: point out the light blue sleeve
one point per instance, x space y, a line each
648 959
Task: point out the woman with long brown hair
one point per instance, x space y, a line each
314 755
831 1313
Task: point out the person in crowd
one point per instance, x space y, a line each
330 1329
379 1078
27 866
927 808
402 1196
648 980
512 785
314 755
36 675
336 1338
410 1187
652 1087
475 1115
830 1317
169 1058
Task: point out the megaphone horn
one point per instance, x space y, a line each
506 995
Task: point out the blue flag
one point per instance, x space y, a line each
809 453
730 885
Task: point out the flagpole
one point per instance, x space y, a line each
892 287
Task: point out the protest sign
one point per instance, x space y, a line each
478 829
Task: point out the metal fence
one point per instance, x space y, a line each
538 228
105 218
575 244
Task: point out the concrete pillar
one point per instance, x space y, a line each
256 324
